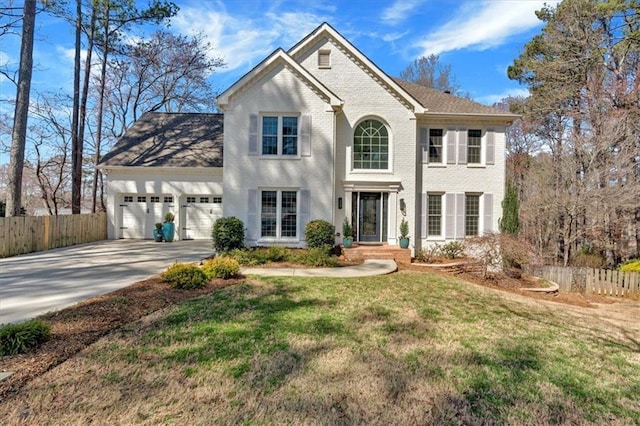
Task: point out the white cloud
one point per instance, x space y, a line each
243 41
399 11
483 25
293 26
391 37
497 97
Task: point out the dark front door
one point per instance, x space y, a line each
369 220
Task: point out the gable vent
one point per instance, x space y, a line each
324 59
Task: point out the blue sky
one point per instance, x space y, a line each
479 38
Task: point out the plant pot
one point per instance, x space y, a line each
168 231
347 242
404 243
157 235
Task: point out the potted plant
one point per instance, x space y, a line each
404 234
157 233
168 227
347 233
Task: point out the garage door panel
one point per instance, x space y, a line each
140 213
200 216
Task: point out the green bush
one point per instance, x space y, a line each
452 249
185 276
317 256
277 254
319 233
632 265
223 267
227 234
259 255
20 338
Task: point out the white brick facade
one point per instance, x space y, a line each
364 92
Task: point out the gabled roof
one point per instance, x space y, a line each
325 30
437 102
281 57
170 140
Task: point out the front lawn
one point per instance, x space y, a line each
406 348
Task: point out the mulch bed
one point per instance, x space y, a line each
513 285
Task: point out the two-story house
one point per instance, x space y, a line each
316 132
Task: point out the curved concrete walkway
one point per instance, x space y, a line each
369 268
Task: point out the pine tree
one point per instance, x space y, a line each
510 221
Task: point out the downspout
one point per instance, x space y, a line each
333 172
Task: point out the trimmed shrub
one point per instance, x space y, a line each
277 254
452 249
317 256
319 233
20 338
227 234
221 267
632 265
185 276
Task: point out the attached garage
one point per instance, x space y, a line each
166 162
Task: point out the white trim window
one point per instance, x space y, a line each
474 146
436 150
278 214
434 215
371 146
280 135
472 214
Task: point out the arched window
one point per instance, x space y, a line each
371 146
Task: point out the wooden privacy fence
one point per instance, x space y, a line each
26 234
593 281
613 283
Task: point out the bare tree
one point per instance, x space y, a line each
163 73
51 140
108 20
429 71
582 71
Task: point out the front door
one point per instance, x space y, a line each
369 220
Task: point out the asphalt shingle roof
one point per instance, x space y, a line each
170 140
444 103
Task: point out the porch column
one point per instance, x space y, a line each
348 207
394 211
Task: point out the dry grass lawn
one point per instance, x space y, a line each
407 348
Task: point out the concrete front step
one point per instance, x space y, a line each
363 252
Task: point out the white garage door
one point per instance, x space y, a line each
140 212
199 213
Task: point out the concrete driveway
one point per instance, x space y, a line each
36 283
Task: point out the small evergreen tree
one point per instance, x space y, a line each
510 221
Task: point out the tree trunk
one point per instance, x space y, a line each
103 75
76 143
19 134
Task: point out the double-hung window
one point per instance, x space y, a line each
435 145
279 135
278 214
471 214
474 145
434 215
